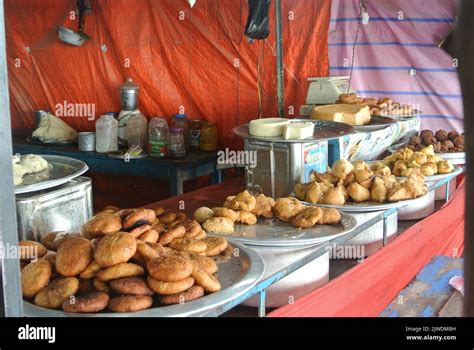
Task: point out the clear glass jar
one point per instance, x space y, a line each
181 121
209 137
176 146
137 130
158 137
106 133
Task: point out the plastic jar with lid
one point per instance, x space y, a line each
106 132
158 135
195 127
209 137
181 121
176 146
137 130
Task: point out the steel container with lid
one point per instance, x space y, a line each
129 95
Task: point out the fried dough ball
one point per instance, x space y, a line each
330 216
247 218
358 193
226 213
426 133
452 135
441 135
202 214
263 206
287 208
307 218
445 167
429 169
341 168
420 158
228 201
243 201
428 150
399 167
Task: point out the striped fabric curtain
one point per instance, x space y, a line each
396 55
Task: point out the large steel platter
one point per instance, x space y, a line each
376 123
275 233
240 268
323 130
61 170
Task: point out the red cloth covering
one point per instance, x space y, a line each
368 288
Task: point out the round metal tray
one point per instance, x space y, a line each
457 170
366 206
61 170
401 117
455 157
376 123
237 275
323 130
275 233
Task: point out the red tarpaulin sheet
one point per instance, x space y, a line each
196 58
368 288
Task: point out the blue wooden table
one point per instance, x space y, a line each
175 171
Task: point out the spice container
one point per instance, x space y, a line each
208 137
177 146
86 141
195 131
106 134
181 121
158 135
137 130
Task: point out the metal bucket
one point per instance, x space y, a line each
418 208
371 239
296 285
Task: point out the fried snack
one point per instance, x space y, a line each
157 248
145 253
228 201
215 245
350 178
188 245
101 225
139 217
420 158
131 285
120 271
85 286
167 218
429 169
34 277
330 216
341 168
219 225
192 227
57 292
168 288
379 190
335 196
226 213
247 218
73 256
86 303
361 165
286 209
130 303
202 214
243 201
173 233
363 177
159 211
31 250
358 193
53 240
263 206
399 167
115 248
201 235
328 178
307 218
139 230
51 257
159 227
445 167
205 263
314 193
90 271
208 282
170 268
192 293
300 190
100 286
150 236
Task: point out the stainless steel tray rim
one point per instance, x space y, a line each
198 307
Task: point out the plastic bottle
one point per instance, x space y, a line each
181 121
106 131
137 130
158 134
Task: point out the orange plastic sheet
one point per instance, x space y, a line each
195 58
368 288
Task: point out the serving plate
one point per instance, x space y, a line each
275 233
61 170
454 157
323 130
240 268
376 123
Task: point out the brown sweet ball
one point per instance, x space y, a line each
115 248
426 133
34 277
101 225
415 140
441 135
443 148
31 250
437 147
428 141
452 135
459 141
73 256
448 144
